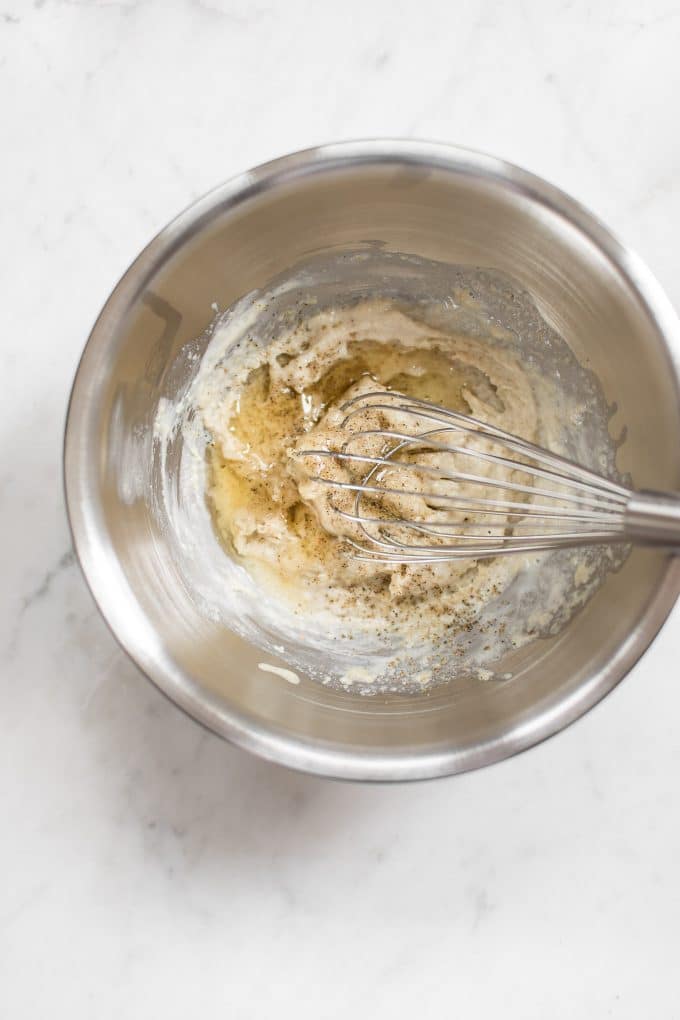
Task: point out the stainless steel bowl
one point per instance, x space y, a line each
440 203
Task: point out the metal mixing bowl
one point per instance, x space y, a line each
440 203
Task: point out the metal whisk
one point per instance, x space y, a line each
481 492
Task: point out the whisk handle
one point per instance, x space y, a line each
653 518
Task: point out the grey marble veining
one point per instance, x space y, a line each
149 869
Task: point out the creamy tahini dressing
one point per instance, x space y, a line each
285 576
283 526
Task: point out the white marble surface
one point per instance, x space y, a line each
149 870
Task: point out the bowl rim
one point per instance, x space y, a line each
117 603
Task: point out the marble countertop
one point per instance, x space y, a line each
148 869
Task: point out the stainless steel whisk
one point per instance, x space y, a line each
545 501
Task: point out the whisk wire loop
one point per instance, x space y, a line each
482 492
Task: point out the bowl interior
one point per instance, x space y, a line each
439 204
